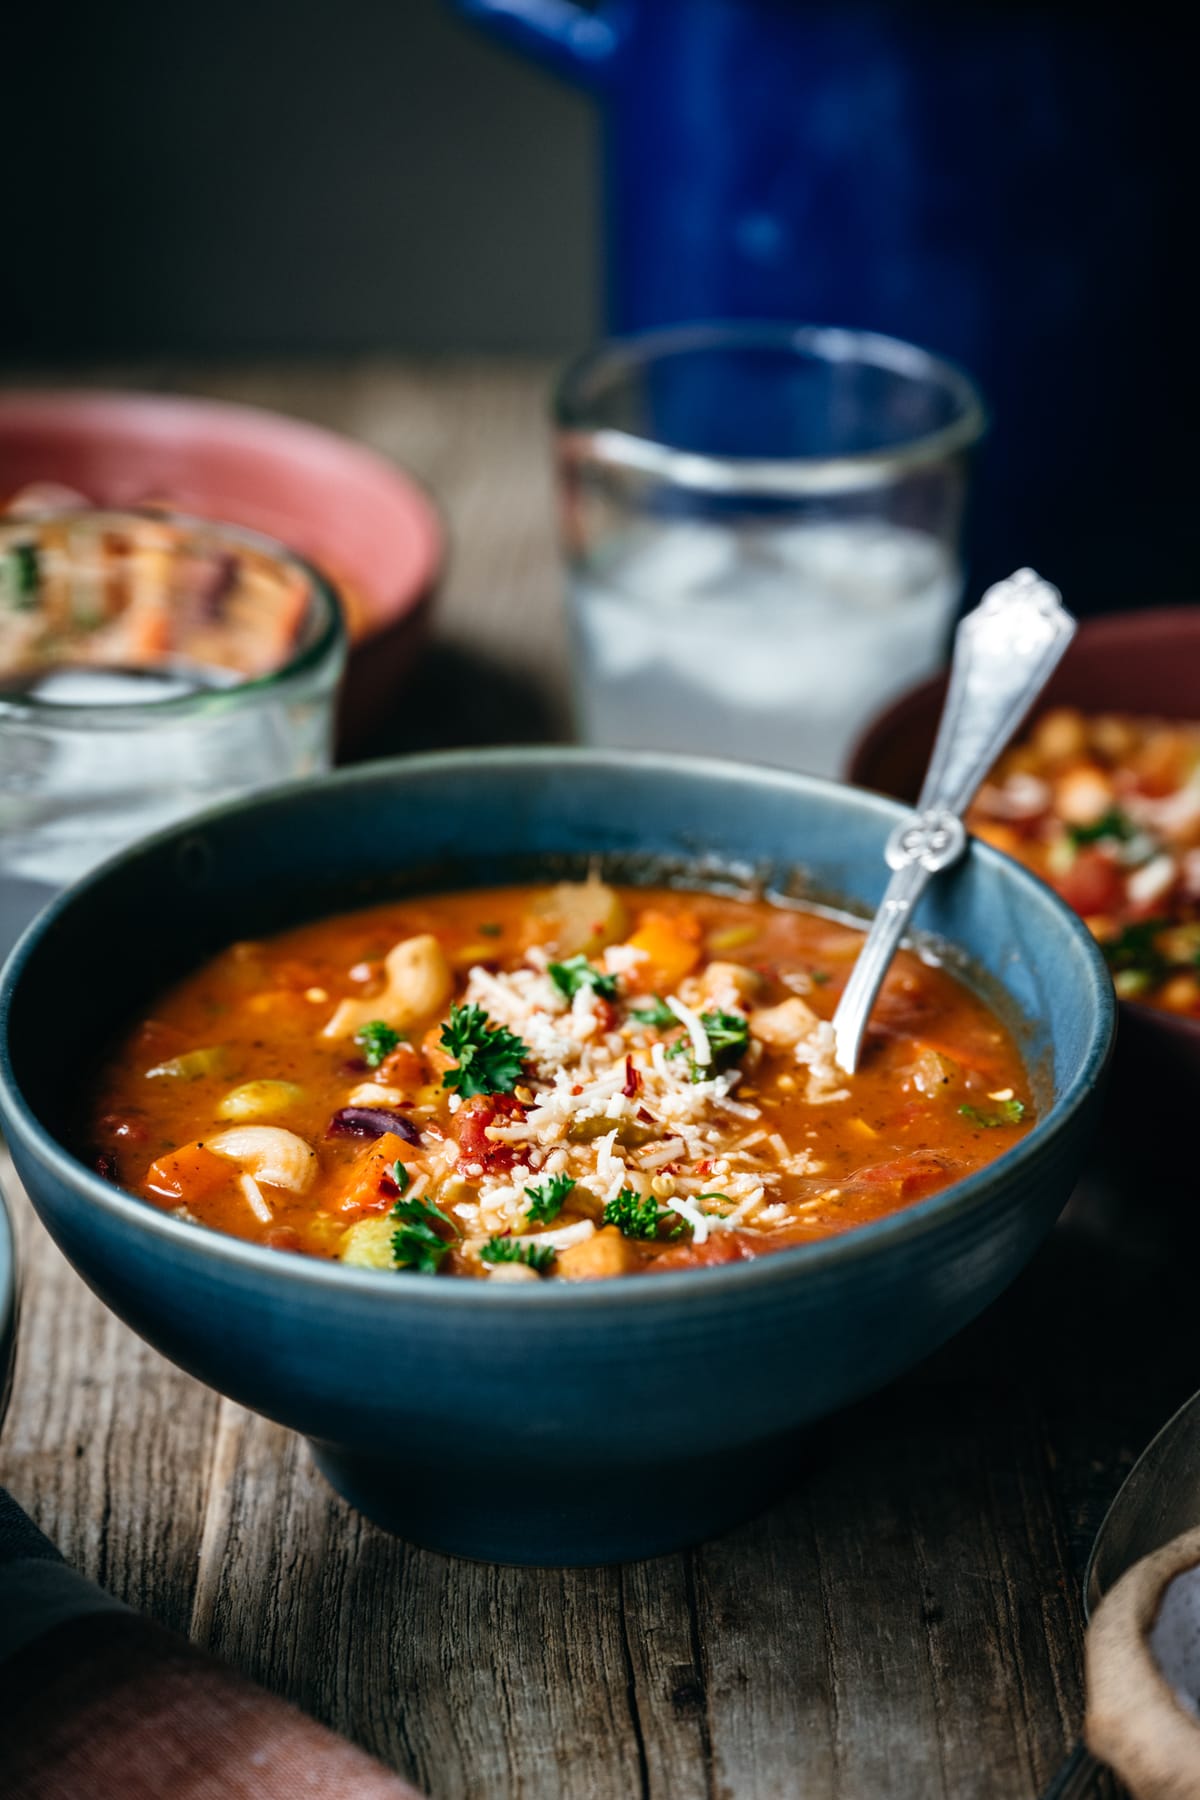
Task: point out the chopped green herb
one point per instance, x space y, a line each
489 930
1135 948
1009 1112
659 1015
416 1245
636 1217
22 574
377 1041
820 976
1114 824
546 1199
490 1057
400 1176
713 1196
728 1037
568 977
517 1250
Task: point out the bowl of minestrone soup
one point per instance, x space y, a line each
1099 795
477 1116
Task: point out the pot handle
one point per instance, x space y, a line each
575 41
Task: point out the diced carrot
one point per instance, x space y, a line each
403 1068
189 1173
369 1186
671 946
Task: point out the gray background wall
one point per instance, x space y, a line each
273 175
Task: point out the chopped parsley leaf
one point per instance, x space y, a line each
517 1250
728 1037
1009 1112
547 1197
1113 824
636 1217
659 1015
416 1245
1135 948
490 1057
820 976
568 977
22 573
377 1041
489 930
400 1176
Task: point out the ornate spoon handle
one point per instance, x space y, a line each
1004 653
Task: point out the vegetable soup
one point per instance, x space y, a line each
1106 809
574 1081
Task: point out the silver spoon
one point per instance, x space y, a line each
1004 653
1158 1500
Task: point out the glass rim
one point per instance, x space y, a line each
330 641
619 449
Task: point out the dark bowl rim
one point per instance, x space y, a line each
283 1267
1150 620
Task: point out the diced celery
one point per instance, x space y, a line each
192 1065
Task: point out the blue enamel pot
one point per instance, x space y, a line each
549 1423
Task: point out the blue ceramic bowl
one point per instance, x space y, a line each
553 1423
8 1305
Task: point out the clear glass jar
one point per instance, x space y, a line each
762 527
150 665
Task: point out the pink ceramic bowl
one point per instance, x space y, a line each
1145 663
361 520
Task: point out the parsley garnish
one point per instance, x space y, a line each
659 1015
1135 948
416 1245
489 930
568 977
490 1057
636 1217
1114 824
377 1041
516 1250
728 1037
547 1197
820 976
22 574
1009 1112
400 1176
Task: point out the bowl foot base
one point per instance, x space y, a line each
525 1516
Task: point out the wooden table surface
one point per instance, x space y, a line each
908 1623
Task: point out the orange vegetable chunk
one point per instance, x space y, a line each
366 1190
671 946
190 1173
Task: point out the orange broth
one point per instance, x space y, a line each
600 1138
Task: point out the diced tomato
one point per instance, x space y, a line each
908 1176
1093 883
718 1247
470 1126
190 1173
607 1016
370 1186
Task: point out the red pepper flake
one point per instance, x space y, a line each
704 1168
646 1117
633 1081
577 1089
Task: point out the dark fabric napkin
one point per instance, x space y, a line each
97 1702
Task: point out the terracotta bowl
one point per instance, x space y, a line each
1136 662
361 520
